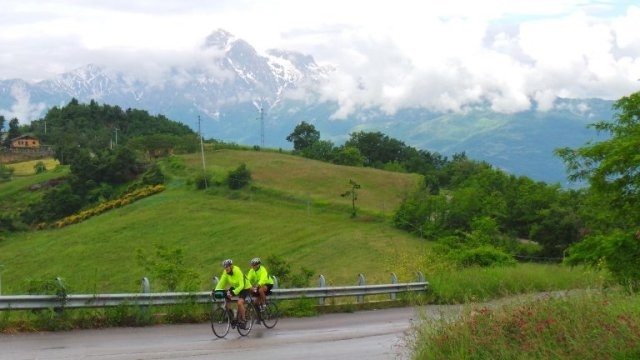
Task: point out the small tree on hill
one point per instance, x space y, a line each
354 196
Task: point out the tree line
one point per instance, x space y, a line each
459 194
479 215
102 146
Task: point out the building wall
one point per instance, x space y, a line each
25 142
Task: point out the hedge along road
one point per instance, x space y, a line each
370 334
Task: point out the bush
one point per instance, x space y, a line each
239 177
40 167
202 181
281 269
484 256
5 173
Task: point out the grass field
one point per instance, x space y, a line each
294 211
27 168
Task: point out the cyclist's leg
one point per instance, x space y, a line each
255 295
263 294
264 291
241 308
227 302
228 306
267 291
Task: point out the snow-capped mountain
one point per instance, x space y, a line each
236 94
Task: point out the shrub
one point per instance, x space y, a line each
286 278
202 181
483 256
5 173
239 178
40 167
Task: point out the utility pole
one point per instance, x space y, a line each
116 129
261 127
204 171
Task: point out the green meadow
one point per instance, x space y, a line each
293 210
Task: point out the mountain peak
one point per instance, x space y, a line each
225 91
220 39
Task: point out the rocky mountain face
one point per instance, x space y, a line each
239 95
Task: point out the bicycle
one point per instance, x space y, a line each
269 316
223 319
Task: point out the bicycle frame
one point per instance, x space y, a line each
223 319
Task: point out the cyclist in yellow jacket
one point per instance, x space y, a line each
234 282
261 281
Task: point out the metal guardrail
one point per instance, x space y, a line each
26 302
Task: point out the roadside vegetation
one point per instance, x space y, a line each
599 324
589 325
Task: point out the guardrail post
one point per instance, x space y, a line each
275 281
61 293
394 280
420 276
215 282
321 284
361 282
146 288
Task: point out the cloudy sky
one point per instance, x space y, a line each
445 55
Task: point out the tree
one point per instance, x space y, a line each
349 156
322 150
377 148
2 120
303 136
354 196
14 131
612 170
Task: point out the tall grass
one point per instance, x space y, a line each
457 286
589 325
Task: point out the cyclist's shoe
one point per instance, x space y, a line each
263 308
243 324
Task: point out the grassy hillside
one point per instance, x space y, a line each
294 210
17 193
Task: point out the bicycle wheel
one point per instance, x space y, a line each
270 315
250 314
220 321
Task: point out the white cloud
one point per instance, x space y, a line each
22 107
447 56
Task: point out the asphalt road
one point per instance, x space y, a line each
372 334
